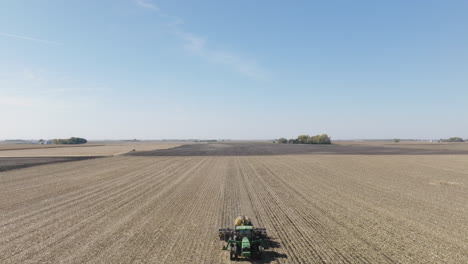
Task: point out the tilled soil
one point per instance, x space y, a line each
11 163
255 149
80 150
316 208
22 156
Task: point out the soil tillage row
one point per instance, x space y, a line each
100 208
365 221
154 212
94 194
316 228
263 213
271 213
95 238
99 185
410 222
336 212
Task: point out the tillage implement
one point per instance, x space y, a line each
244 240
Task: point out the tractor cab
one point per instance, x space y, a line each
244 231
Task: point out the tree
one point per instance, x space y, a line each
282 141
456 139
303 139
396 140
320 139
72 140
324 139
306 139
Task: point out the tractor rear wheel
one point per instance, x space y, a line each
260 252
232 253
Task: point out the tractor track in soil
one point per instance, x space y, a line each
167 209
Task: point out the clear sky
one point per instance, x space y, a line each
154 69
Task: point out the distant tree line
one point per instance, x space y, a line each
72 140
306 139
453 139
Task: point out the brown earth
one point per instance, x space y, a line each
15 156
258 148
4 146
317 208
11 163
21 150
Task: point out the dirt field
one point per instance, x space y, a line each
258 148
8 146
166 209
11 163
21 150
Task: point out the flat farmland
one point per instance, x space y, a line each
25 150
165 206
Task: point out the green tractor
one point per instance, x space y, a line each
244 241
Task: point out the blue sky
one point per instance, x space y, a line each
233 69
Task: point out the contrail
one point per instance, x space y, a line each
29 38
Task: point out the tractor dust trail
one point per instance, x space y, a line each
167 209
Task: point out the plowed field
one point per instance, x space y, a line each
167 209
79 150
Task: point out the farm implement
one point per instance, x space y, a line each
244 240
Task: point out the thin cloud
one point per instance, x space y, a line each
147 4
199 46
7 35
192 42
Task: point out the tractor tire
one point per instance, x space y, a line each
226 237
233 253
260 252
